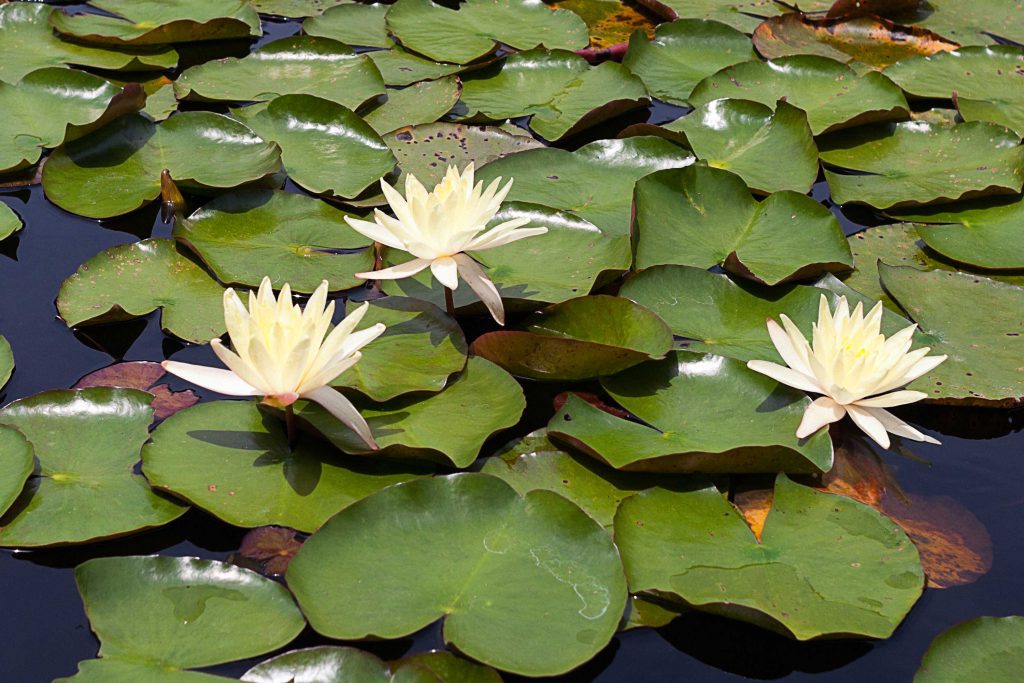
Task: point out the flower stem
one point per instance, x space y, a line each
289 425
449 302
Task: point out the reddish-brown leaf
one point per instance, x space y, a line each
141 375
275 546
592 399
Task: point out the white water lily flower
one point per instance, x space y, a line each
284 353
438 227
854 367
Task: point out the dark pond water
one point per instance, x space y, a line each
45 632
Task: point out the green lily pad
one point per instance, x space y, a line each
917 162
334 663
18 459
233 460
76 103
130 22
954 312
132 280
117 169
833 95
984 81
986 648
183 611
984 233
6 361
559 90
295 239
398 67
744 15
440 665
352 24
969 23
27 43
770 150
419 104
577 339
595 182
535 463
87 442
296 9
700 216
113 670
476 28
825 565
682 53
753 428
417 427
299 65
10 223
566 262
530 585
420 349
325 147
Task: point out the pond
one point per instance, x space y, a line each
546 561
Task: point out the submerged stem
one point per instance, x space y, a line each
289 424
449 302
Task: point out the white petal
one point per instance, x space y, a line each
784 345
241 368
787 376
446 271
822 411
923 367
478 281
896 398
406 269
341 408
215 379
869 424
899 427
494 238
376 232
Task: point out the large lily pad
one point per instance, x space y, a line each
332 663
296 9
75 103
418 427
420 103
595 182
183 611
700 216
130 22
87 442
969 23
989 648
117 169
28 43
559 90
132 280
682 53
984 80
753 428
744 15
825 565
113 670
291 238
476 27
299 65
399 67
771 151
954 312
833 95
10 223
917 162
17 460
351 23
420 349
527 584
578 339
233 460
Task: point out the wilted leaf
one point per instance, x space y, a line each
142 375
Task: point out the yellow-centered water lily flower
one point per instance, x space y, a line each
284 353
853 366
438 227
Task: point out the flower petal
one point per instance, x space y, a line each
376 232
787 349
822 411
495 238
406 269
787 376
869 424
215 379
446 271
241 367
340 407
896 398
478 281
899 427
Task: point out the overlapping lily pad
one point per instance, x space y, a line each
578 339
300 65
325 147
399 67
744 15
986 647
754 428
917 162
985 82
476 27
130 22
700 216
233 460
87 442
6 361
17 460
771 151
683 53
28 43
132 280
419 104
10 222
291 238
833 95
559 90
75 103
419 351
333 663
969 23
184 612
418 427
351 23
293 9
825 565
117 169
610 22
527 584
113 670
